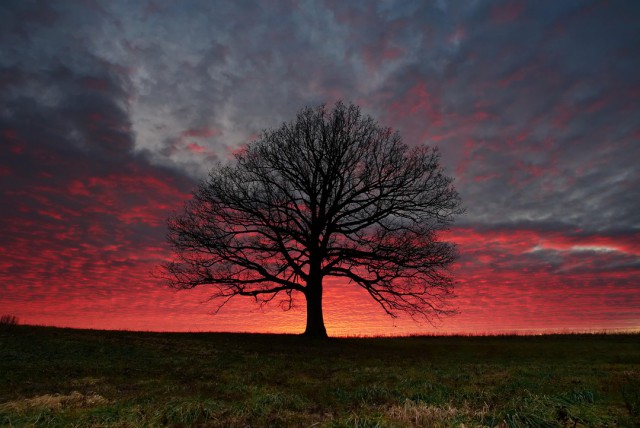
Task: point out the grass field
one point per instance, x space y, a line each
64 377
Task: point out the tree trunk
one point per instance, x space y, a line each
315 320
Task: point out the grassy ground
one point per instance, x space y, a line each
62 377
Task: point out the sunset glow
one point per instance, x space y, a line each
112 112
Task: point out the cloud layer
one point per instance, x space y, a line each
111 111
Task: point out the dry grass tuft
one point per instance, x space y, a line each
54 402
418 414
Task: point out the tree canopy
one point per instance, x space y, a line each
331 193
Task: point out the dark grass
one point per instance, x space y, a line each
65 377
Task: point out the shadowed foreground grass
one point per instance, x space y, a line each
64 377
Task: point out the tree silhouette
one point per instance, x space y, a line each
331 193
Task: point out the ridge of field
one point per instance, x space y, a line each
66 377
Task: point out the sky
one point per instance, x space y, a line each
112 111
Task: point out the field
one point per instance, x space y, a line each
63 377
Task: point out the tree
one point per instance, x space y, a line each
329 194
8 320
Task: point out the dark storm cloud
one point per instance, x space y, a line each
78 202
533 114
555 133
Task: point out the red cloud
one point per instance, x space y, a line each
196 148
418 102
182 142
109 286
130 198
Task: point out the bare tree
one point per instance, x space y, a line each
329 194
8 320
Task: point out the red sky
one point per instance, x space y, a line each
110 113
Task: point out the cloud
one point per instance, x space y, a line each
83 212
111 111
